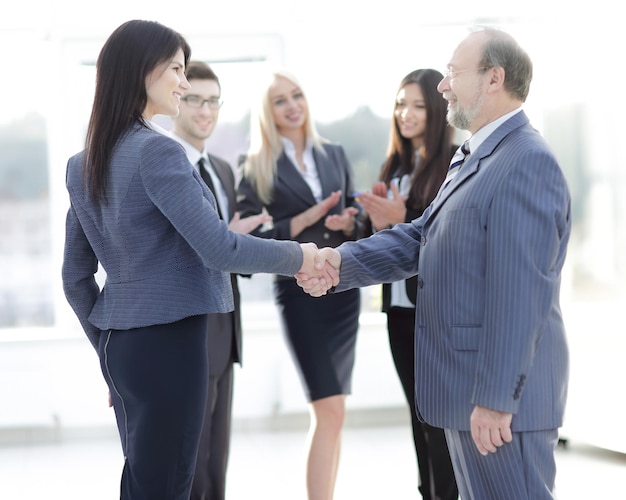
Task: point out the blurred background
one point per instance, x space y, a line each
350 59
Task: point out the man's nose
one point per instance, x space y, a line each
443 85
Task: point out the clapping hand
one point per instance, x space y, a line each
324 273
383 211
247 224
313 214
342 222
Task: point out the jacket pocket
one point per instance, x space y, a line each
465 338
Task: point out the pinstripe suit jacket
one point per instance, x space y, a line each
164 249
489 252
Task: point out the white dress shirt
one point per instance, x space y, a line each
310 174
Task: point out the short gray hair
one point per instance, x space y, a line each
501 50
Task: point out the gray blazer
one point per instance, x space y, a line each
489 252
164 249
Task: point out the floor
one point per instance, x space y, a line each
377 463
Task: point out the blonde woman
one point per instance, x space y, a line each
305 183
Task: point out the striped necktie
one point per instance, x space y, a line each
458 159
455 164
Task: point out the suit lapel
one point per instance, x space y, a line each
288 174
473 163
227 183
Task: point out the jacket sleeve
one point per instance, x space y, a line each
387 256
78 274
181 196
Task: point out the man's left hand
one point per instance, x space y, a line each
490 429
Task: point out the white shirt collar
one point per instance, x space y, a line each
157 128
479 137
192 153
290 149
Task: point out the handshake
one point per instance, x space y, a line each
320 269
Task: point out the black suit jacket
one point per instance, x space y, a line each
292 196
220 342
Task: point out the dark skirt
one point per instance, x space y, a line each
321 335
157 376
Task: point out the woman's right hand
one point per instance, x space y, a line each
382 211
311 215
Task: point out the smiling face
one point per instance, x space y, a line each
410 114
195 125
288 105
165 85
465 86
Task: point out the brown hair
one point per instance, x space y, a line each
437 150
128 56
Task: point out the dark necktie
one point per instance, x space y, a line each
209 182
458 158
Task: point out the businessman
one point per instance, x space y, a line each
491 351
199 112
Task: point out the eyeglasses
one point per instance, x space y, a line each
449 73
195 101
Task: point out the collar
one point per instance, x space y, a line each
479 137
291 149
157 128
192 153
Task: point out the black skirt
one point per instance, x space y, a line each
321 336
158 377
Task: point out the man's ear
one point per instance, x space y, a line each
496 78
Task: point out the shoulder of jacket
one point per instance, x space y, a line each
218 159
332 146
158 143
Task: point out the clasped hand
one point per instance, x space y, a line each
320 269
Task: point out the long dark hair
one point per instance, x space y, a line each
437 150
131 52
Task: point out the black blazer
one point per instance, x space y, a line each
216 338
292 196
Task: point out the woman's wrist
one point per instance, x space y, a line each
350 231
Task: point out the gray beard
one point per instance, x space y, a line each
459 119
463 118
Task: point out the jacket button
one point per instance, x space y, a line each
326 236
423 240
420 283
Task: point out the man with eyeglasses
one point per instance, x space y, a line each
199 111
490 345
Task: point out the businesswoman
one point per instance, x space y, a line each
305 184
418 155
140 211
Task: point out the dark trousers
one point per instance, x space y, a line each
157 376
210 479
209 482
436 474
